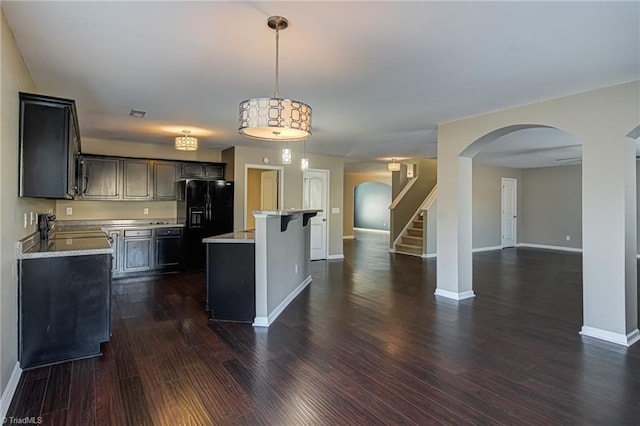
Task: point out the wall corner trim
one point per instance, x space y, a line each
609 336
9 390
453 295
267 321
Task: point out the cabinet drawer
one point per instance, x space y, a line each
137 233
167 232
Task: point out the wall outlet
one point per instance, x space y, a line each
567 237
69 211
25 220
335 210
145 211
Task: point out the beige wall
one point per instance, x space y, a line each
89 210
487 200
351 180
552 206
292 197
146 150
15 78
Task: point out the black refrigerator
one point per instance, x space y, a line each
205 207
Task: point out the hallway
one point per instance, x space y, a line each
366 343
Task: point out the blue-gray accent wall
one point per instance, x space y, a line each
371 205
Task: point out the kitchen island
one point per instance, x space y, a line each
279 266
64 297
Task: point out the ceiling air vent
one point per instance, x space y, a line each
137 113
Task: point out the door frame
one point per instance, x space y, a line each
327 213
280 170
502 205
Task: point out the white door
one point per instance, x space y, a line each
269 190
315 196
509 212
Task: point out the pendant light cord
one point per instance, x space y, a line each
277 92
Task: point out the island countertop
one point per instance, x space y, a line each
289 212
232 237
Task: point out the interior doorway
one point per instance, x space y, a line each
262 191
509 209
316 196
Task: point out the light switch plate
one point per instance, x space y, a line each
69 211
335 210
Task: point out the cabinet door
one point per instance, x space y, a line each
44 148
115 245
168 251
74 149
192 170
214 171
137 179
100 178
138 254
164 180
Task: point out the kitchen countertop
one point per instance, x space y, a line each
232 237
116 224
64 244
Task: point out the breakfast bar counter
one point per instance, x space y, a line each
253 275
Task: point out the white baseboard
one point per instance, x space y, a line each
548 247
335 256
348 237
429 255
267 321
383 231
9 390
475 250
453 295
609 336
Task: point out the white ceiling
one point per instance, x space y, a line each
379 76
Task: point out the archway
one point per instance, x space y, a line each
601 119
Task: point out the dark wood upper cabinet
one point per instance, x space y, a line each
165 175
100 178
49 144
137 179
202 171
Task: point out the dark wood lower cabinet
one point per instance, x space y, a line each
231 289
168 249
64 308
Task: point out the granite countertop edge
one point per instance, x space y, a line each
289 212
120 223
232 237
62 253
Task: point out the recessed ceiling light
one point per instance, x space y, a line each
137 113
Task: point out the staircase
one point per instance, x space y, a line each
411 242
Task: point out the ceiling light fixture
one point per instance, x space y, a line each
186 142
304 162
393 166
286 155
277 119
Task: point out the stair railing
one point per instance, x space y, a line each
428 201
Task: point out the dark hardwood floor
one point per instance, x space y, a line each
366 343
